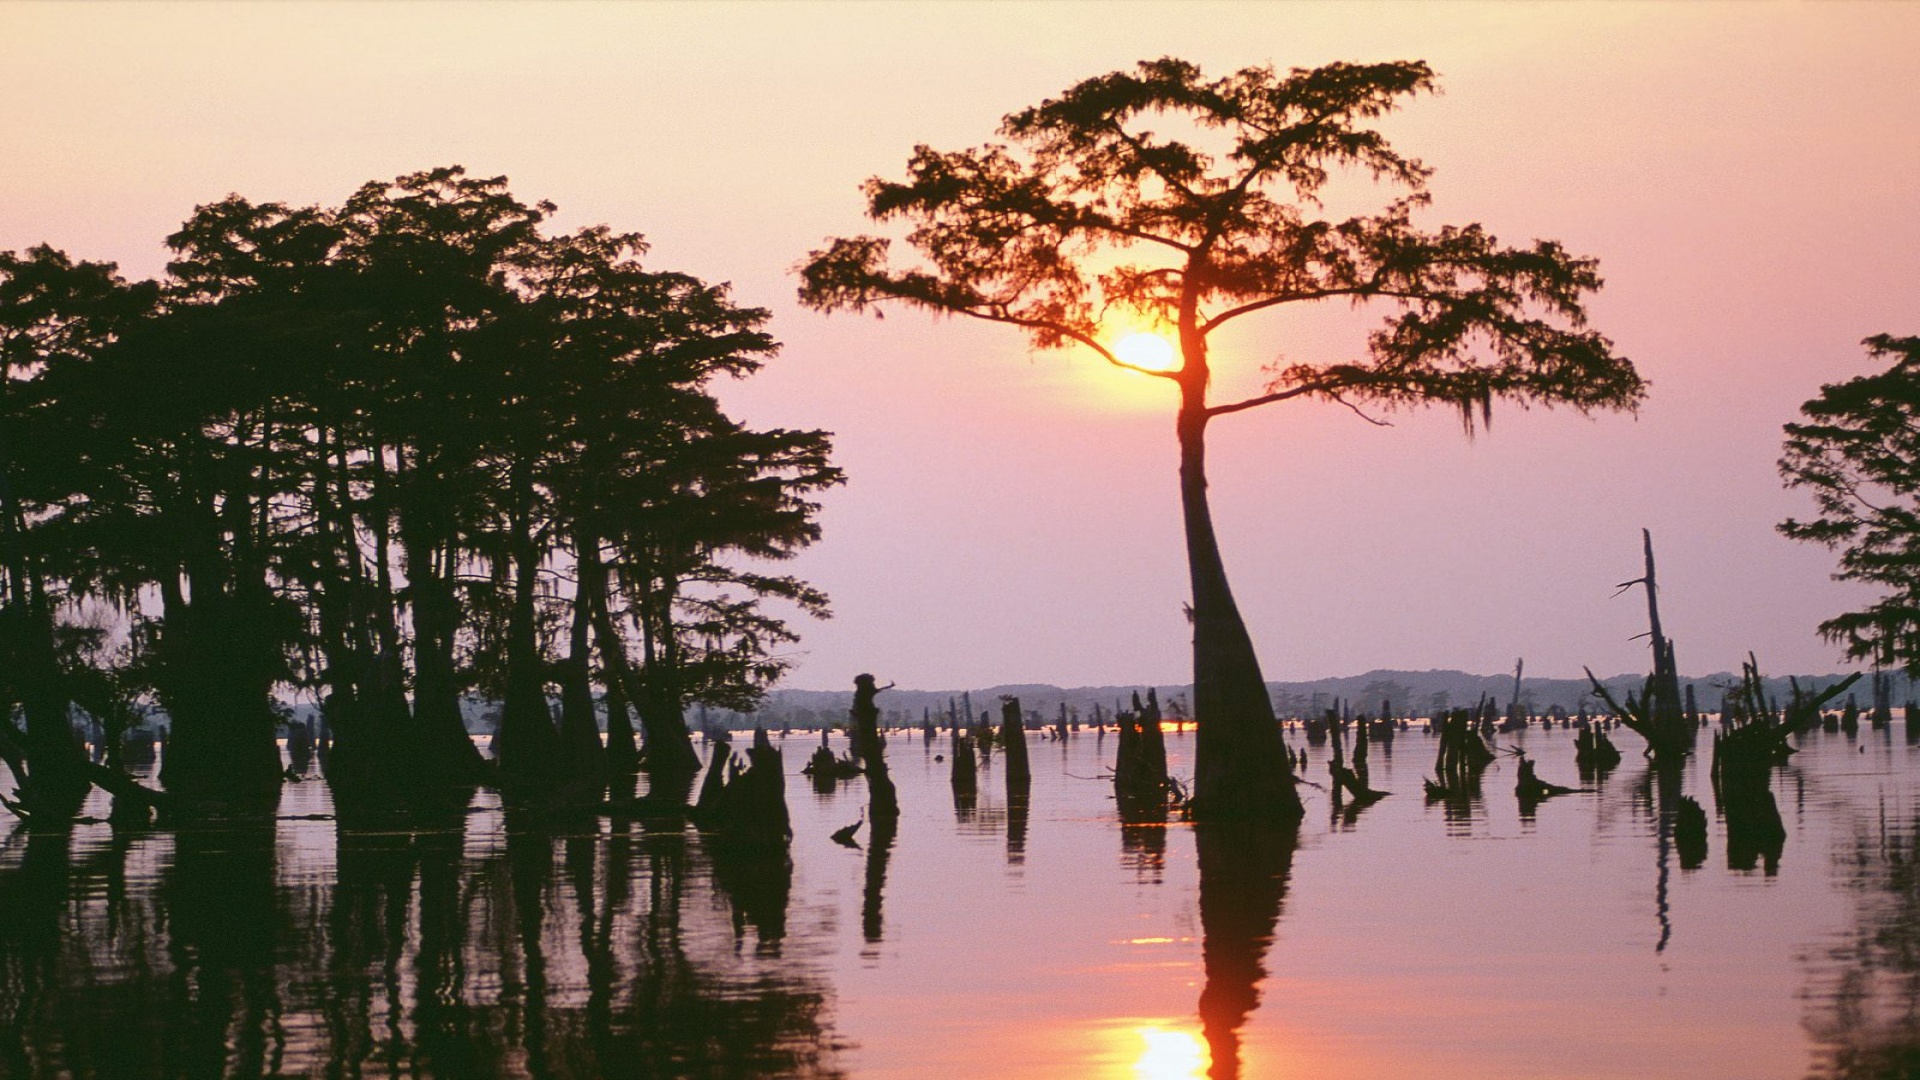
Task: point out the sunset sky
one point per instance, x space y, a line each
1748 176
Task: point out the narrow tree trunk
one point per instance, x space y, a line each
1673 737
528 745
1013 747
883 802
586 758
669 749
623 691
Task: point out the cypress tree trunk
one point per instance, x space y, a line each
1241 769
623 691
528 745
221 748
670 756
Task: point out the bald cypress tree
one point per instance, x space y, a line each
1161 196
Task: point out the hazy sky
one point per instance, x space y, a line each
1747 174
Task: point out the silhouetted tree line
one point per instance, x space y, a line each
387 453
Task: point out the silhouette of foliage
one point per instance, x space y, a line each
1858 452
391 453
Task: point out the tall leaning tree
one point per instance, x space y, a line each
1162 195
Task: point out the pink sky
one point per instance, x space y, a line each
1747 174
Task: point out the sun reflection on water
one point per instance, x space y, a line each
1170 1055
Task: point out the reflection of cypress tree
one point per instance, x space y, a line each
443 1024
366 930
31 903
1863 994
530 865
1243 880
596 935
224 917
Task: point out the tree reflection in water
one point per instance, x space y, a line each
528 950
1863 991
1243 880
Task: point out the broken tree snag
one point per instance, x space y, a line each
1667 744
1659 717
1142 788
749 808
966 771
1348 783
825 770
717 765
1882 701
1013 745
883 802
1516 712
983 735
1531 789
1462 757
1593 752
1744 757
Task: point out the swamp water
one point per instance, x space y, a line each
1411 940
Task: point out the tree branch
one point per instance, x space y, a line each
1010 319
1278 395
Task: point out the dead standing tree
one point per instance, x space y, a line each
1658 716
1013 747
883 802
1141 787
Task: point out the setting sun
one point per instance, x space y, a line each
1170 1055
1145 350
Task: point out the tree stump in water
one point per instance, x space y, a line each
1013 746
1350 783
1462 757
1530 788
1594 752
883 801
1142 788
965 776
748 807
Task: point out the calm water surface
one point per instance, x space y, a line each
1412 940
